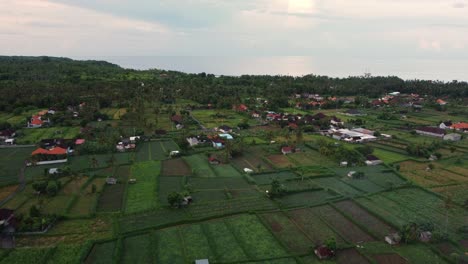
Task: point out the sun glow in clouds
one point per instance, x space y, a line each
301 6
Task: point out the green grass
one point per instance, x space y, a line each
232 119
226 170
137 249
26 255
224 244
337 185
256 239
11 162
169 246
307 198
34 135
195 242
155 150
66 254
142 195
389 156
287 232
267 178
101 253
419 253
200 166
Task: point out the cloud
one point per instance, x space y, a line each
459 5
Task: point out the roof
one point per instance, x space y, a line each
177 118
224 127
202 261
5 214
80 141
372 158
36 121
434 130
323 252
441 102
286 149
460 126
318 116
7 132
43 112
53 151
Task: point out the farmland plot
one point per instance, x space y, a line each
154 150
101 253
267 178
307 198
287 232
226 170
314 228
137 249
280 161
365 219
169 247
252 160
350 256
218 183
26 255
111 198
223 242
175 167
65 254
11 162
418 173
168 185
142 195
335 184
342 225
200 166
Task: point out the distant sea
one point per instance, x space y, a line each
440 69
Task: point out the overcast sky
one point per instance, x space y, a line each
435 29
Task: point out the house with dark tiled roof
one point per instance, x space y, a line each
431 131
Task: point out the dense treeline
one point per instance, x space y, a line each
47 81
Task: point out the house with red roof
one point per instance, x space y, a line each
240 108
441 102
286 150
35 122
323 252
462 126
54 155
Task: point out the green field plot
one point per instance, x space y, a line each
66 254
85 162
137 249
175 167
420 254
254 140
87 200
26 255
415 205
347 229
218 183
111 198
155 150
365 184
458 193
311 157
223 242
35 172
267 178
169 246
142 195
366 220
313 227
288 233
280 161
253 158
11 162
168 185
195 242
226 170
389 156
101 253
19 119
307 198
226 207
200 166
34 135
154 219
257 241
337 185
230 118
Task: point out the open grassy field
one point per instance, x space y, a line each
280 161
111 198
418 172
34 135
19 119
458 192
267 178
337 185
413 204
11 162
137 249
26 255
101 253
175 167
155 150
226 170
85 162
310 157
87 200
389 156
200 166
65 254
230 118
142 195
307 198
252 159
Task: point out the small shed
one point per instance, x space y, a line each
372 160
323 252
425 236
10 141
393 239
111 181
286 150
202 261
343 164
53 171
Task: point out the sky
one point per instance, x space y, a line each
339 29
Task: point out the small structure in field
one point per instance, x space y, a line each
111 181
449 137
425 236
286 150
247 170
132 181
53 171
323 252
344 164
214 161
372 160
202 261
174 153
393 239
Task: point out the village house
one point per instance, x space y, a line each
240 108
372 160
335 121
352 136
431 131
7 133
218 143
255 114
323 252
441 102
462 126
445 125
35 122
286 150
214 161
49 156
225 129
393 239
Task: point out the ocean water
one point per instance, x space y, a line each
428 69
